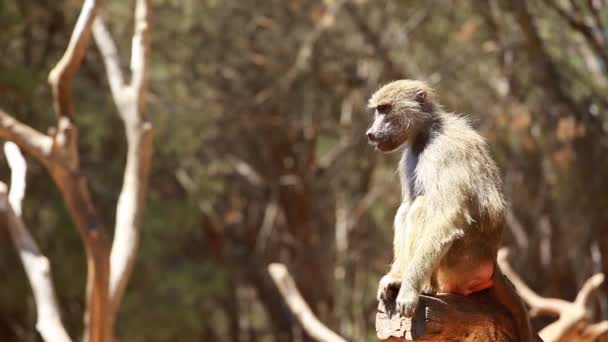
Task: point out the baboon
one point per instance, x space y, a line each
449 224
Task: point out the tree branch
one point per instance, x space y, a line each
572 323
140 51
36 265
109 53
130 101
33 142
60 78
64 167
298 306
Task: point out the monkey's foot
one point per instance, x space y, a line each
406 302
388 287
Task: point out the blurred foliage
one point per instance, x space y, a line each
259 112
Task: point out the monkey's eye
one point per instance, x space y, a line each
384 108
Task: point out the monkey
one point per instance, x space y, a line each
451 217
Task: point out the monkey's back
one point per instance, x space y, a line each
456 172
455 169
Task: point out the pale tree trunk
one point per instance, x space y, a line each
108 270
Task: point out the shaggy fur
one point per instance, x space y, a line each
449 224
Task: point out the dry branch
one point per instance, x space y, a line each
298 306
572 324
60 78
130 101
33 142
64 167
36 265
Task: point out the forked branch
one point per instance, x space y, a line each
572 324
130 101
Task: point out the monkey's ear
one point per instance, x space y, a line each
421 96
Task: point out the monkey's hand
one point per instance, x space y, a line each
387 287
407 300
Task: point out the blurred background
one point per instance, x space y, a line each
260 156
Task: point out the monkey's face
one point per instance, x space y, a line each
401 110
389 130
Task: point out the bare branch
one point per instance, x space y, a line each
572 323
36 265
107 48
140 51
591 285
540 305
60 78
33 142
129 209
596 330
18 167
65 169
298 306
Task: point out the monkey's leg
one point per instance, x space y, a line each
438 232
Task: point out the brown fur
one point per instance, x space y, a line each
449 224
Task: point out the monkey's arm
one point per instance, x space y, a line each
436 233
403 243
400 242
